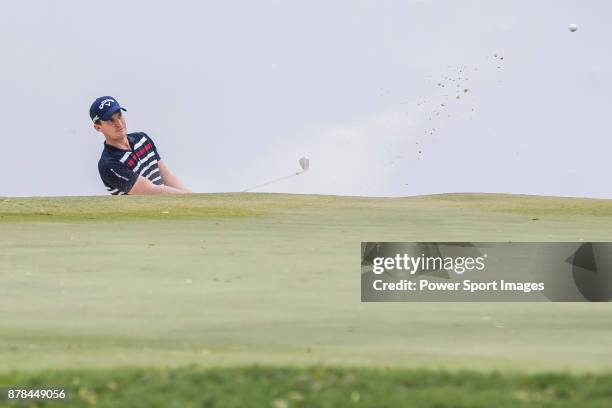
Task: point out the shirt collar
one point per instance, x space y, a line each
130 138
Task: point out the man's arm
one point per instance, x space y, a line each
143 186
170 179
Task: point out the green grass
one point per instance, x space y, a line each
225 281
314 387
231 205
528 204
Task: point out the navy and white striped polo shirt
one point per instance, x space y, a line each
119 168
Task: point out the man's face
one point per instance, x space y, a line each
114 128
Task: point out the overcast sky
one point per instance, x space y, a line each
234 93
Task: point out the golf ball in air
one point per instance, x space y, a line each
573 27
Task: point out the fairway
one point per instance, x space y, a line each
237 279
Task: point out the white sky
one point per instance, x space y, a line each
234 93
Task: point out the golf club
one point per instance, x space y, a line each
304 164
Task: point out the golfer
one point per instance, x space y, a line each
130 163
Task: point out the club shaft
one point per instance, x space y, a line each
273 181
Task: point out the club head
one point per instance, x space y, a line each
304 163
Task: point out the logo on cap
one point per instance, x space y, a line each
106 102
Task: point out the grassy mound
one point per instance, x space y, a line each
229 205
273 279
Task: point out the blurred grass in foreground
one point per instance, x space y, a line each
312 387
